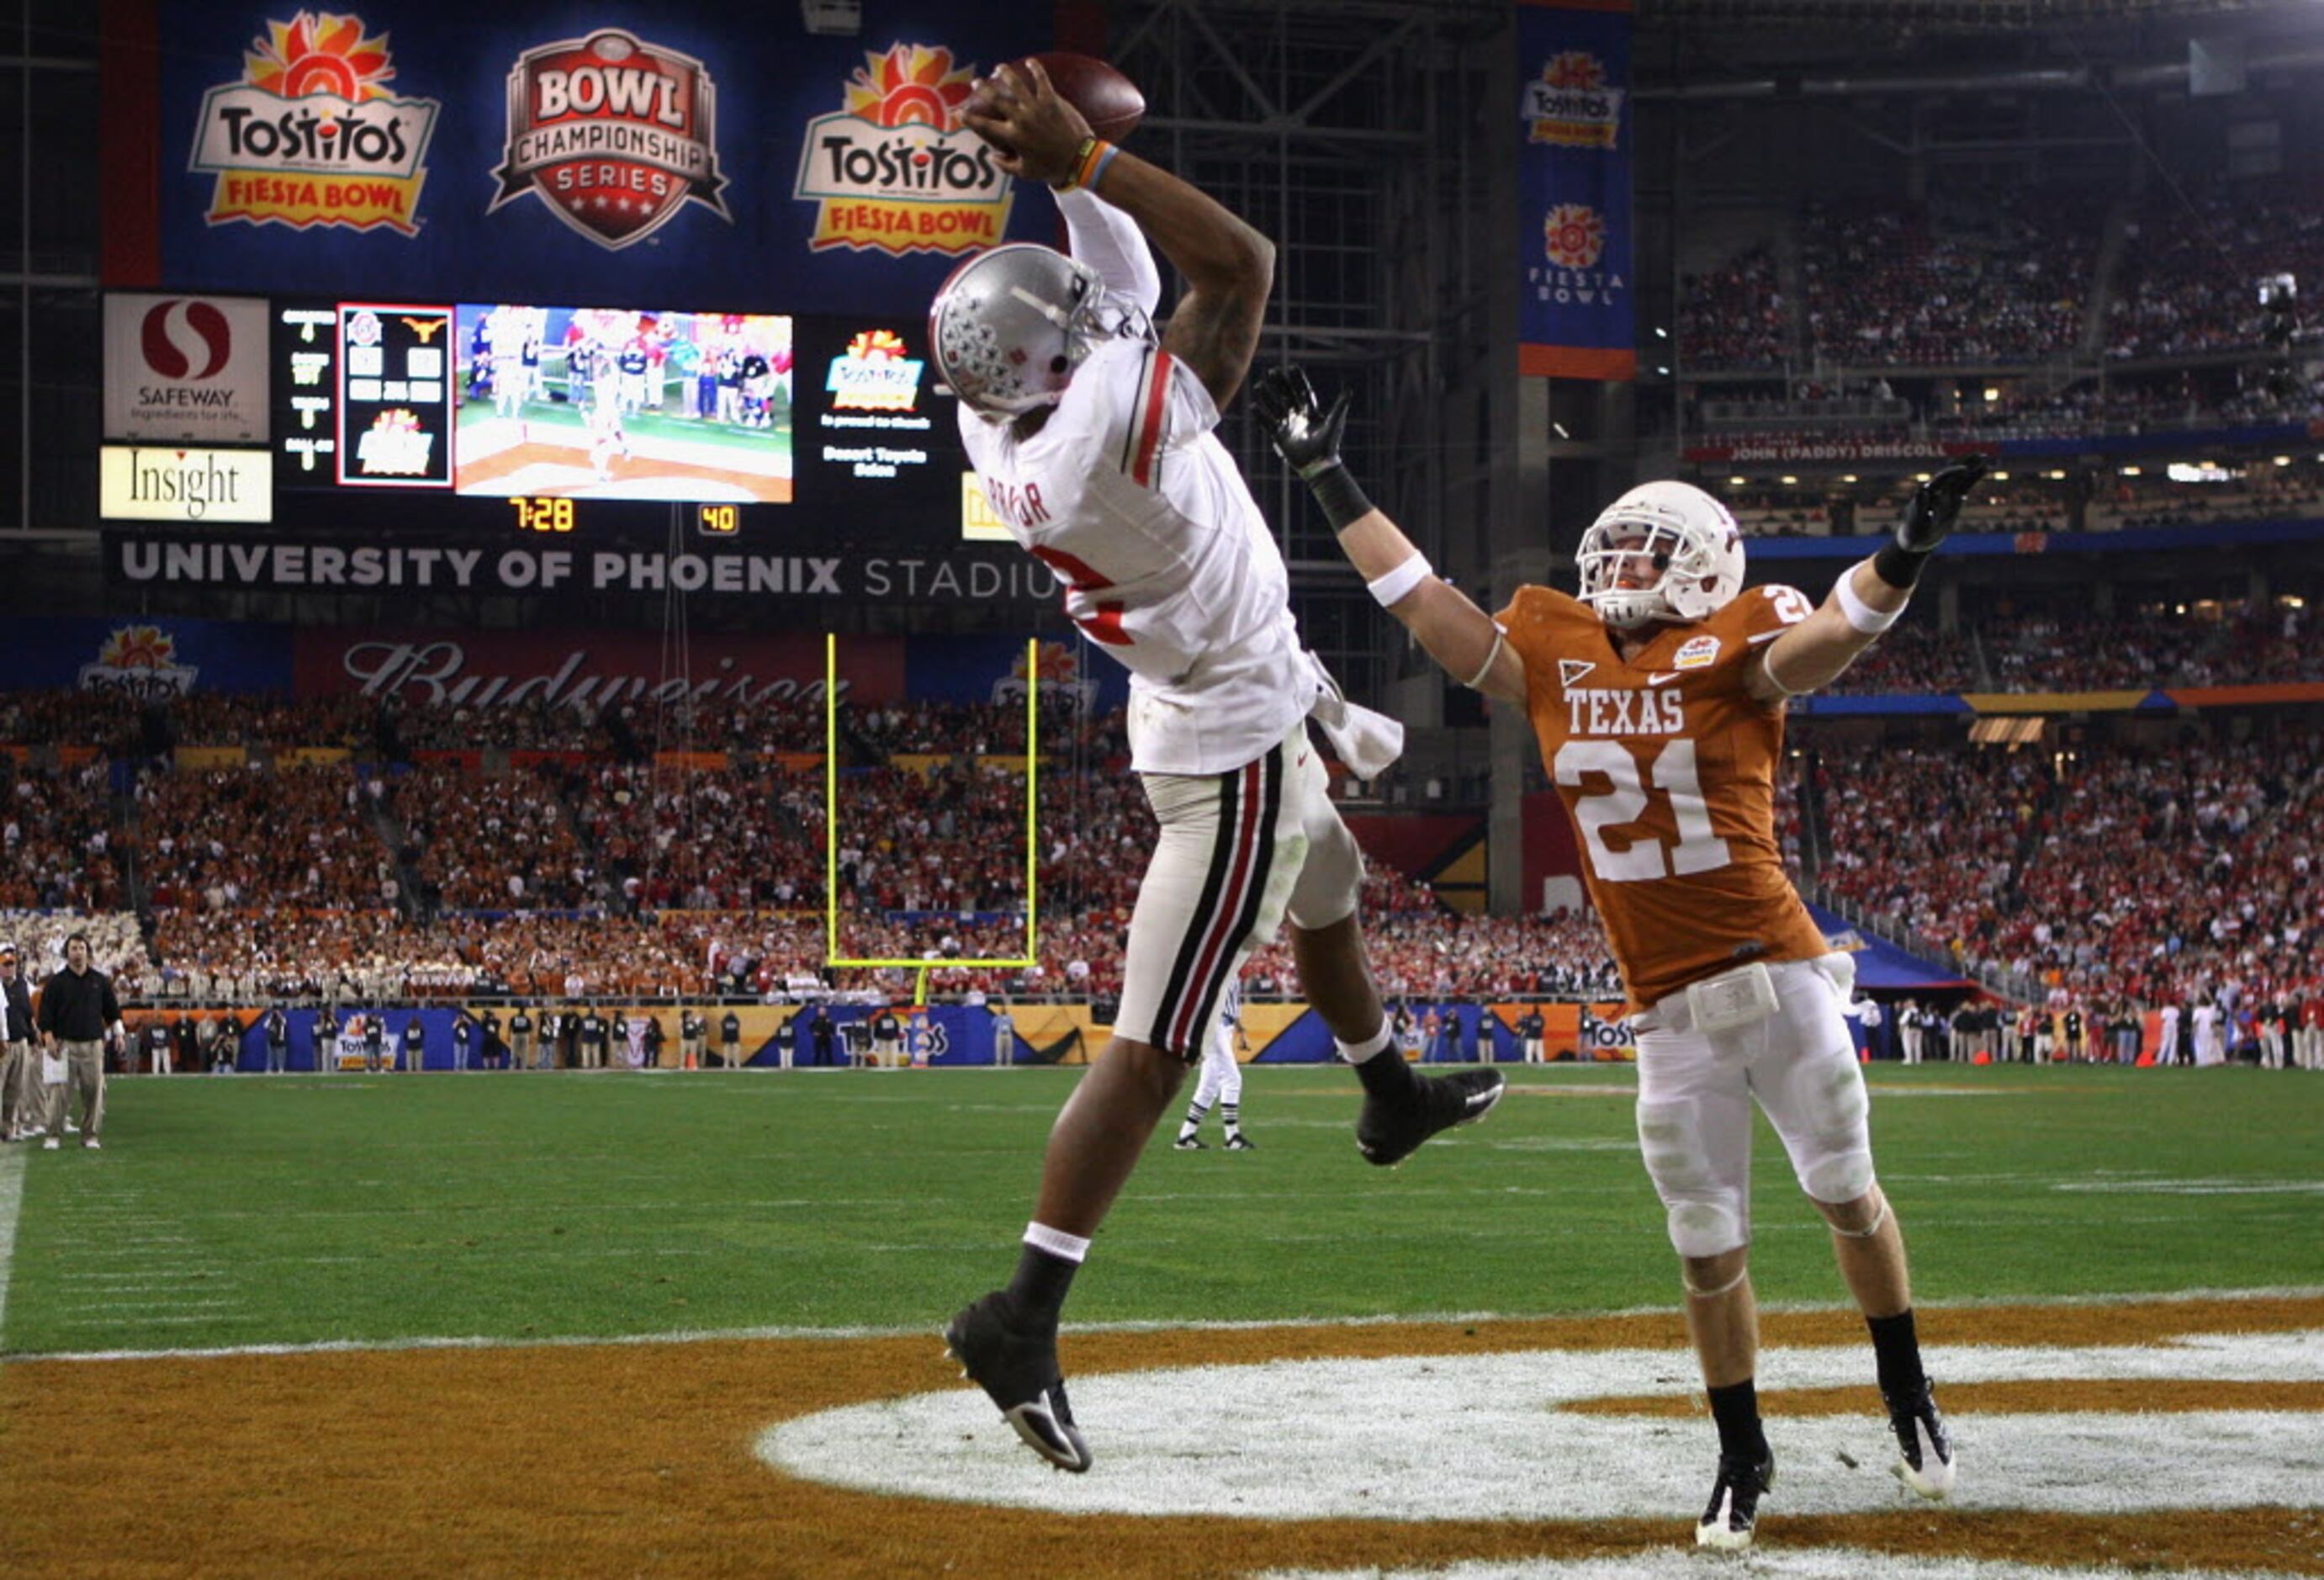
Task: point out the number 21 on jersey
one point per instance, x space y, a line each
1672 773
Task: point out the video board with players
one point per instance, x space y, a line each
435 419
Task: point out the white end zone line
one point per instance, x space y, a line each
928 1328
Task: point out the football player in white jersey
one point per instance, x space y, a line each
1222 1081
1093 439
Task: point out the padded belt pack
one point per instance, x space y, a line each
1731 1000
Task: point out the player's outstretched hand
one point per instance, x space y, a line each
1930 513
1035 133
1305 435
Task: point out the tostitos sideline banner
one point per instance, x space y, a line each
1575 131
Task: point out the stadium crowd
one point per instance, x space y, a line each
2158 877
598 877
2002 280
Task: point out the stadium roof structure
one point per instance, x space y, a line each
1969 16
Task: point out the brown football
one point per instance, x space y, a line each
1109 101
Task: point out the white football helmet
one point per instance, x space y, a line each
1662 551
1011 324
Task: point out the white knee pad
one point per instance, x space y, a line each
1707 1197
1332 878
1833 1159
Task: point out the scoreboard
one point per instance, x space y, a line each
412 419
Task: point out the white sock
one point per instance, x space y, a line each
1066 1247
1358 1052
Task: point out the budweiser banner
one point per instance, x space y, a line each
584 668
1574 137
687 151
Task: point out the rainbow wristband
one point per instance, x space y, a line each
1089 163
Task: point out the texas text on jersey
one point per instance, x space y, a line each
1667 766
1128 496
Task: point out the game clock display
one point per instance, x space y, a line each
469 419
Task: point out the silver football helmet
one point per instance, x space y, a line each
1011 324
1662 551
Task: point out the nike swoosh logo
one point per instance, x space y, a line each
1659 676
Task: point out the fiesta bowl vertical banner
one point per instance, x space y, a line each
1573 190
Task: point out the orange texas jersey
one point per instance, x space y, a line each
1667 768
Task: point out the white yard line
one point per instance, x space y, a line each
731 1334
12 1203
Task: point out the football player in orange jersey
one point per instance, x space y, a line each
1657 697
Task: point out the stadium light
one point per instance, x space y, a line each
1789 481
1847 477
1737 482
2056 476
1661 333
2283 460
2001 476
1920 477
1991 395
2128 472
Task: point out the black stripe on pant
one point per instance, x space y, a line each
1205 984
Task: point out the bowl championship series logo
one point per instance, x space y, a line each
1569 103
311 135
894 171
614 135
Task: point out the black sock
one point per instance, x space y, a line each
1385 1075
1897 1351
1041 1281
1736 1408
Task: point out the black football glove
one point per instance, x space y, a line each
1930 513
1304 434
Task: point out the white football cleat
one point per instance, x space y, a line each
1733 1515
1924 1450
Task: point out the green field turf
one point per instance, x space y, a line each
251 1210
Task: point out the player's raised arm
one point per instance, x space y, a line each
1229 267
1457 634
1870 595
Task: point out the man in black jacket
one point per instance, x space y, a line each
77 1010
277 1040
824 1031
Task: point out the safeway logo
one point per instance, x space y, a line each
185 369
203 321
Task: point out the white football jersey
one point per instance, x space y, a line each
1128 496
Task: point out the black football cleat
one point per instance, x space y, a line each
1015 1362
1390 1130
1733 1512
1925 1449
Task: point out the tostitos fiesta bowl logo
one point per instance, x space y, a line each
139 662
875 372
312 135
613 135
1574 235
894 170
1570 105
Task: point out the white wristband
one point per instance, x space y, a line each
1396 583
1867 619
